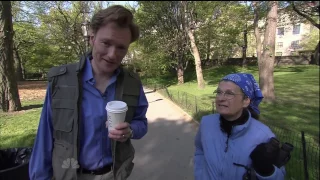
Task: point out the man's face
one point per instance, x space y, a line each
109 46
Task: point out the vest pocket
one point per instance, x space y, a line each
63 114
64 92
63 161
127 156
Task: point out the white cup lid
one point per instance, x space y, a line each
116 106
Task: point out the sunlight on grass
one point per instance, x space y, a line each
18 129
296 89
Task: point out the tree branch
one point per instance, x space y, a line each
61 12
185 67
303 15
29 22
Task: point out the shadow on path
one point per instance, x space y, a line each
166 151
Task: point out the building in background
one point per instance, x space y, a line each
289 35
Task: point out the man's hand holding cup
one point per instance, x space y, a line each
119 130
122 132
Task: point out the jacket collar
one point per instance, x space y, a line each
239 130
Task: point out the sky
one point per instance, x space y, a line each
124 2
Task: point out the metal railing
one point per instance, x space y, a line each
304 162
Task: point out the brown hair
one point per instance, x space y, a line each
118 14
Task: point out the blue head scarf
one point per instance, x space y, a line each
249 86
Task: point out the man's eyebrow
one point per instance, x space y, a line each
111 41
106 39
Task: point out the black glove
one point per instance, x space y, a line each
263 158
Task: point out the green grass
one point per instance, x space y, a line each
296 108
19 129
296 89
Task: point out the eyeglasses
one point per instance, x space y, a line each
228 95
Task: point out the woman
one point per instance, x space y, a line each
233 140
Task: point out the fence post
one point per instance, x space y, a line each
304 151
195 99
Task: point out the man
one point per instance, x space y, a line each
73 141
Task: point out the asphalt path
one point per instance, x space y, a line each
166 151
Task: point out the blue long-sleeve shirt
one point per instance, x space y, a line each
95 147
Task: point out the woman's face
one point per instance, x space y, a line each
230 100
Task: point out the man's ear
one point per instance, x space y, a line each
91 40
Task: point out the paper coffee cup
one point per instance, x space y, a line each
116 112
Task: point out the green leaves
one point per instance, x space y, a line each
310 41
49 33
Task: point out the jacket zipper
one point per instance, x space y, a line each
227 144
225 150
227 141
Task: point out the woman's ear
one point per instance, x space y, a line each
246 102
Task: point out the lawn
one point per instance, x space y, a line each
296 89
18 129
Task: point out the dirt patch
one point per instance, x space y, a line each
32 84
31 90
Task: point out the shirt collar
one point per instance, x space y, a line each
88 74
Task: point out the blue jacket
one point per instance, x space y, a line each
211 162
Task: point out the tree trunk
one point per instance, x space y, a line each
208 49
17 64
197 60
316 54
266 64
256 30
208 42
23 69
180 72
244 48
9 95
189 26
